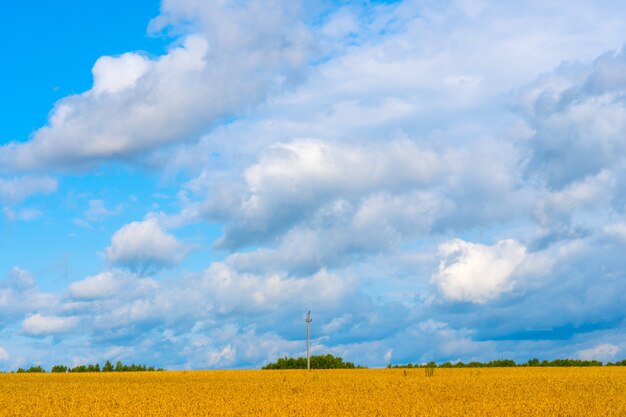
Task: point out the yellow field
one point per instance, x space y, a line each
450 392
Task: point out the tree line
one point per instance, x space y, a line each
509 363
317 362
107 367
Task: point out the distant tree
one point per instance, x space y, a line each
533 362
502 363
317 362
32 369
505 363
78 368
107 367
59 369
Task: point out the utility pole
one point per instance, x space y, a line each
308 340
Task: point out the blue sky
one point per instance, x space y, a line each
435 180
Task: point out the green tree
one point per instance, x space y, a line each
59 369
317 362
533 362
107 367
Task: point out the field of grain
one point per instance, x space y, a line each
383 392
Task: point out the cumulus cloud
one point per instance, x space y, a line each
248 292
19 295
312 203
144 245
601 352
224 294
477 273
41 325
19 279
114 74
234 347
102 285
579 119
336 193
186 309
293 180
138 103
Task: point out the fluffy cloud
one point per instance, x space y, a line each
142 246
346 192
4 355
102 285
326 202
579 119
40 325
602 352
477 273
19 295
139 103
19 279
224 294
114 74
247 292
327 183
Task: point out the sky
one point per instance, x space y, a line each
181 181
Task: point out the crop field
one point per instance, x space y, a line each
381 392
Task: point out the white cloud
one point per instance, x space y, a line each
14 190
397 139
112 75
221 358
40 325
138 104
234 292
19 295
303 179
4 355
340 231
102 285
22 214
337 323
616 231
579 120
143 246
97 210
19 279
601 352
477 273
232 345
321 165
313 203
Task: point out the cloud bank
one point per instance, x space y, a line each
434 180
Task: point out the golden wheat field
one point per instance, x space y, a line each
380 392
